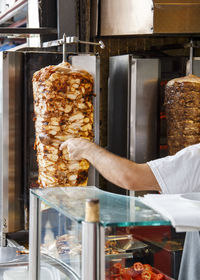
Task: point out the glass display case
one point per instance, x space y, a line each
129 241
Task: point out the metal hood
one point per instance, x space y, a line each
125 17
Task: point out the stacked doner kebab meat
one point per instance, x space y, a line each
63 109
182 105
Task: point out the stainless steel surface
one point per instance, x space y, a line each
9 257
2 238
91 63
68 20
124 17
189 65
11 141
118 109
143 109
95 11
91 265
34 238
195 66
7 254
132 107
118 105
102 253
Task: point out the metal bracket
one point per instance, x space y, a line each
191 45
70 40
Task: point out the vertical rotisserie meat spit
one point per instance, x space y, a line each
63 109
182 105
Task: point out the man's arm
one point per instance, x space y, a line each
118 170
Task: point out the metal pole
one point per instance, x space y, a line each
34 238
64 47
90 251
191 57
2 239
91 242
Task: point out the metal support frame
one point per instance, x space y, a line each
4 31
93 256
34 238
70 40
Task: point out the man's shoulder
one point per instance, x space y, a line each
191 148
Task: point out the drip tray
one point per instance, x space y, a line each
9 255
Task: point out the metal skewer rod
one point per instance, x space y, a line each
191 58
100 43
64 47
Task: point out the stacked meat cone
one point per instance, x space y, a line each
182 104
63 109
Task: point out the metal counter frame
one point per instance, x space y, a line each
93 237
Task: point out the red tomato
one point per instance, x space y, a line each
132 272
159 276
138 266
146 275
147 267
122 271
124 274
116 268
119 265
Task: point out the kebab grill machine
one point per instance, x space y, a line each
19 170
152 100
139 98
132 127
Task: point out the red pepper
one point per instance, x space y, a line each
146 275
122 271
116 268
132 272
124 274
159 276
138 266
147 267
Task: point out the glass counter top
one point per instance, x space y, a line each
115 210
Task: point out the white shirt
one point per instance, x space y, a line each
179 173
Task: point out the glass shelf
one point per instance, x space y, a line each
115 210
